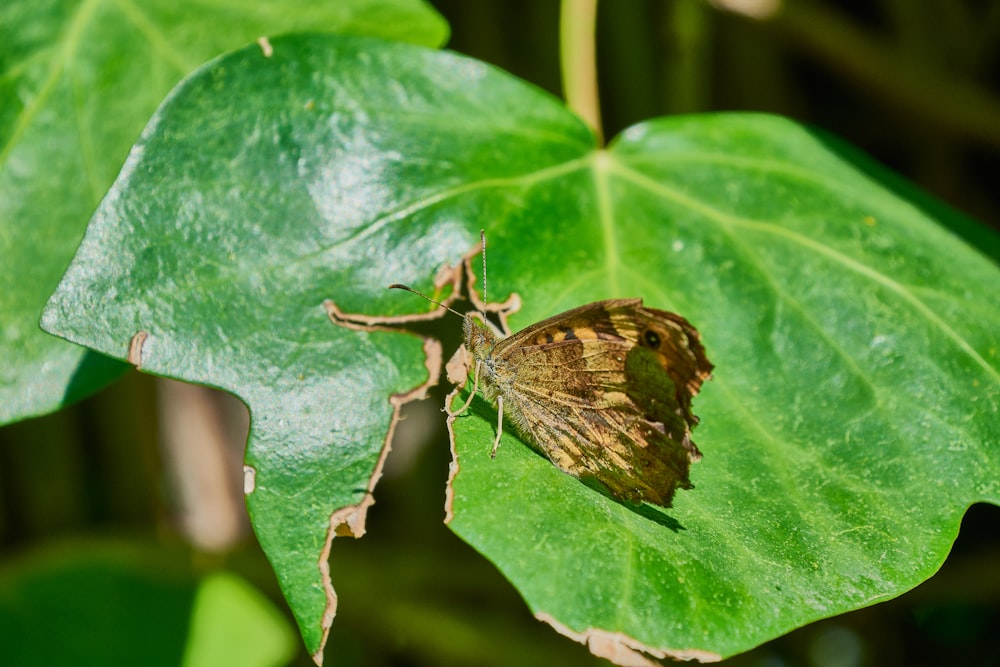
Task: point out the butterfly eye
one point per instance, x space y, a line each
651 338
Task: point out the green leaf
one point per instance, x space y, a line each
852 418
853 413
127 603
79 81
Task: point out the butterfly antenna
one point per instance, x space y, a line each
410 289
482 238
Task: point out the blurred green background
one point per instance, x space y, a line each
913 84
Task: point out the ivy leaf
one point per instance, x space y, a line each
80 79
852 418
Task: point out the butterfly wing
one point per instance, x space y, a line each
604 391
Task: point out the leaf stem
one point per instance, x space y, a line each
578 53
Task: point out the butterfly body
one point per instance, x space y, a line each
603 390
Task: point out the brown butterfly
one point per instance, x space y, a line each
603 391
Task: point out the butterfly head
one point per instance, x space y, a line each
480 338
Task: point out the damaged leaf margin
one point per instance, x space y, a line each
623 650
135 349
349 521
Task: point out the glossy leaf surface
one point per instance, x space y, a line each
78 80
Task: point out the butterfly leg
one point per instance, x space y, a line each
475 388
496 443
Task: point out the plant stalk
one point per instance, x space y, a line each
578 53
